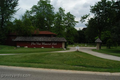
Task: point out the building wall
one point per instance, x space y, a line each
63 44
40 44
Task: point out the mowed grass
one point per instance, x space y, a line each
11 49
112 51
68 61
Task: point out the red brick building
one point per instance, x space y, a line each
40 39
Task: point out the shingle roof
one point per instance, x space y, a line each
41 39
38 33
98 41
44 32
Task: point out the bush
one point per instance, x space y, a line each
109 43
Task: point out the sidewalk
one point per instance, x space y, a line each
6 54
101 55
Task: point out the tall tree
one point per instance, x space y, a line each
105 21
59 27
7 9
23 27
64 25
92 30
102 12
103 17
116 21
69 22
43 14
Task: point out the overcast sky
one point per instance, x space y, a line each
76 7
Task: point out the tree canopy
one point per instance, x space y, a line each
41 16
7 9
105 22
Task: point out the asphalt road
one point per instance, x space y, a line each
13 73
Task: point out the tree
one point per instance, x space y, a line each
71 32
116 29
103 20
24 27
81 38
102 13
92 30
7 9
59 26
42 15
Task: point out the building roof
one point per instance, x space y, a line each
44 33
37 32
98 41
41 39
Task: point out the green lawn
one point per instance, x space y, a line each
11 49
44 58
69 61
113 51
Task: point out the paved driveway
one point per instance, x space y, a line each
101 55
6 54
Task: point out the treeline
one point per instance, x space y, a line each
105 22
41 16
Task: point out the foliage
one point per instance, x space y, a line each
7 9
109 43
70 60
59 27
70 23
80 38
84 17
91 31
43 15
64 25
105 22
23 27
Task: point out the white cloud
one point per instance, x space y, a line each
77 7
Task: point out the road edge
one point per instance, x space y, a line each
61 71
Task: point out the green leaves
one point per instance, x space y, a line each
64 25
7 9
84 17
23 27
105 20
43 15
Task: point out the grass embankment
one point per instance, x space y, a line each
12 49
44 58
112 51
68 61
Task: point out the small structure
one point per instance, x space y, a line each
98 41
41 42
39 39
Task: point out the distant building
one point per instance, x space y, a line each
40 39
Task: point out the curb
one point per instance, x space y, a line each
60 71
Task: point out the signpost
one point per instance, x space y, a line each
98 41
